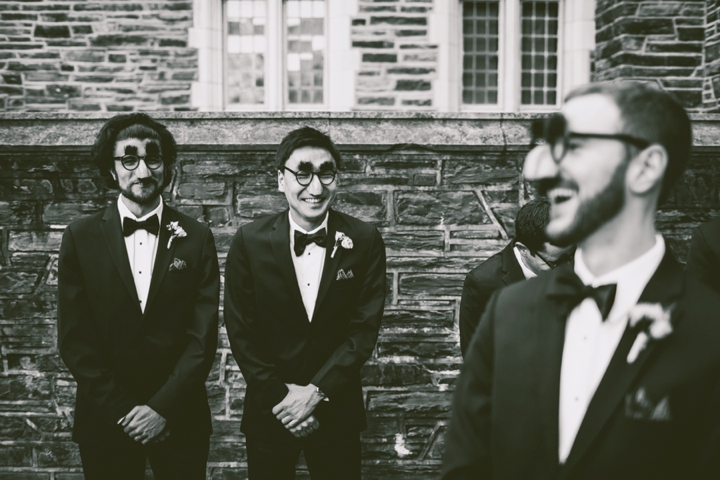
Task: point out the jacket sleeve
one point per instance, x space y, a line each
78 341
702 263
345 363
193 366
472 304
246 340
467 443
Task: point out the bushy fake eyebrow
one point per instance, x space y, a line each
307 166
152 148
131 150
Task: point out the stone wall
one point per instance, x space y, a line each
443 190
95 56
398 61
656 41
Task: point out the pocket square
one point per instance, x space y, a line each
177 264
342 275
639 407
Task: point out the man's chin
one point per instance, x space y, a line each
142 197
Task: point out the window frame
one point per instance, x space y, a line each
509 60
209 33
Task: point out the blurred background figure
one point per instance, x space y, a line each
528 254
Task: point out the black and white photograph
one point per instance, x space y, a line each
359 239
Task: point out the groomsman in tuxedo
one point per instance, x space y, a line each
304 296
608 368
138 295
528 254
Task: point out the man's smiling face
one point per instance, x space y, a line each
586 188
308 204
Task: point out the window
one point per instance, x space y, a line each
274 39
489 32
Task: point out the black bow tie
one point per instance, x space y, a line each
152 225
568 286
302 240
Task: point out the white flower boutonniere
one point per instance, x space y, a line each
177 232
655 323
341 240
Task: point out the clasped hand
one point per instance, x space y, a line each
145 425
295 410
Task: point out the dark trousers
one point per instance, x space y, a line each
119 457
330 455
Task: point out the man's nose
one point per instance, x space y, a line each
142 170
315 187
539 164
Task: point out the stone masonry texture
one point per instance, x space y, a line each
442 189
96 55
398 61
655 41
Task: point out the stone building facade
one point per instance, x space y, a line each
443 188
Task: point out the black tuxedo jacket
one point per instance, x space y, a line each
703 259
657 418
498 271
121 357
271 338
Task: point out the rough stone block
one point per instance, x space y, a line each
65 213
398 20
439 208
430 285
380 57
16 282
406 241
413 85
416 403
52 31
34 241
58 454
367 206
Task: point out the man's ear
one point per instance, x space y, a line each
648 169
113 174
281 182
523 249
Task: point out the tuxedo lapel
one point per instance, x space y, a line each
280 241
335 224
664 287
511 268
115 241
163 255
551 320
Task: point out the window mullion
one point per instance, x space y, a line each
510 74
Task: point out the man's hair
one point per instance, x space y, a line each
530 224
133 125
653 115
305 137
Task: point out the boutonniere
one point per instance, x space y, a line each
177 232
654 322
341 240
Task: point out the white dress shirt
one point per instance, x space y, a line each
526 271
308 266
590 343
141 249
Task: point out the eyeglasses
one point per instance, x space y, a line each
131 162
554 132
305 177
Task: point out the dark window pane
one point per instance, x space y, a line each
540 37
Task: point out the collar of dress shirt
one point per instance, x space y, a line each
526 271
630 278
126 213
294 226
